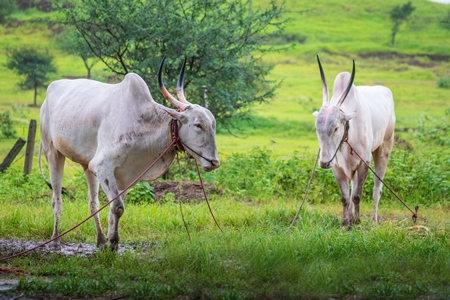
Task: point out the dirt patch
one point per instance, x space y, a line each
403 144
184 191
408 57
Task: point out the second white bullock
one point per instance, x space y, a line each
115 131
364 115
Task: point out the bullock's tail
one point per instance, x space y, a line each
42 173
40 166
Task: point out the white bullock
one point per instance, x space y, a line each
364 115
115 131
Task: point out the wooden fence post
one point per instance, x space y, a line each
30 148
12 154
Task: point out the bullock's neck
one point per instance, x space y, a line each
350 105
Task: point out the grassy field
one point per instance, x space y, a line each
264 170
256 256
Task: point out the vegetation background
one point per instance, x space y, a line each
263 175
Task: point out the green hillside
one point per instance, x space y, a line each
339 31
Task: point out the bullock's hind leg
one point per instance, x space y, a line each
56 166
358 181
380 157
93 205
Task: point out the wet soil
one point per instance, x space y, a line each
184 191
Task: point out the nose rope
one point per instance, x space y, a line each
344 138
180 145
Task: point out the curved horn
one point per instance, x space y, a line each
347 90
180 84
164 91
324 84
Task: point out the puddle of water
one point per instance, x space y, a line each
7 284
10 247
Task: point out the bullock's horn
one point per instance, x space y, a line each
180 84
324 84
350 83
164 91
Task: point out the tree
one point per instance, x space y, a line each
33 65
445 22
71 42
223 42
399 14
7 7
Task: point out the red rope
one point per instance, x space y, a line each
15 272
206 197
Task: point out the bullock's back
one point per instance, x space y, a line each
76 112
378 100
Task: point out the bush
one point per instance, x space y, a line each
257 175
6 125
7 7
434 132
141 192
444 82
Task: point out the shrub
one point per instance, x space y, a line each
432 131
256 175
6 125
141 192
444 82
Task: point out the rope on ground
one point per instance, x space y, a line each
306 192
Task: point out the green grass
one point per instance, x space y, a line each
255 257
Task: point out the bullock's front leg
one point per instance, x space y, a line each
116 210
347 205
357 187
105 175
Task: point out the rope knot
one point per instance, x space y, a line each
175 137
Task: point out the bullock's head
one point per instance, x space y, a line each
197 125
331 121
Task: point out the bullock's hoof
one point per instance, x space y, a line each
101 241
346 224
114 247
55 245
113 244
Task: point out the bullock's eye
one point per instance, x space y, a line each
198 126
336 129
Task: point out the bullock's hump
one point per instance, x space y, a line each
341 83
137 86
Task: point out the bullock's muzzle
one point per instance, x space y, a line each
215 163
325 164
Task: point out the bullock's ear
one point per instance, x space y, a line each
173 113
176 115
315 114
349 116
